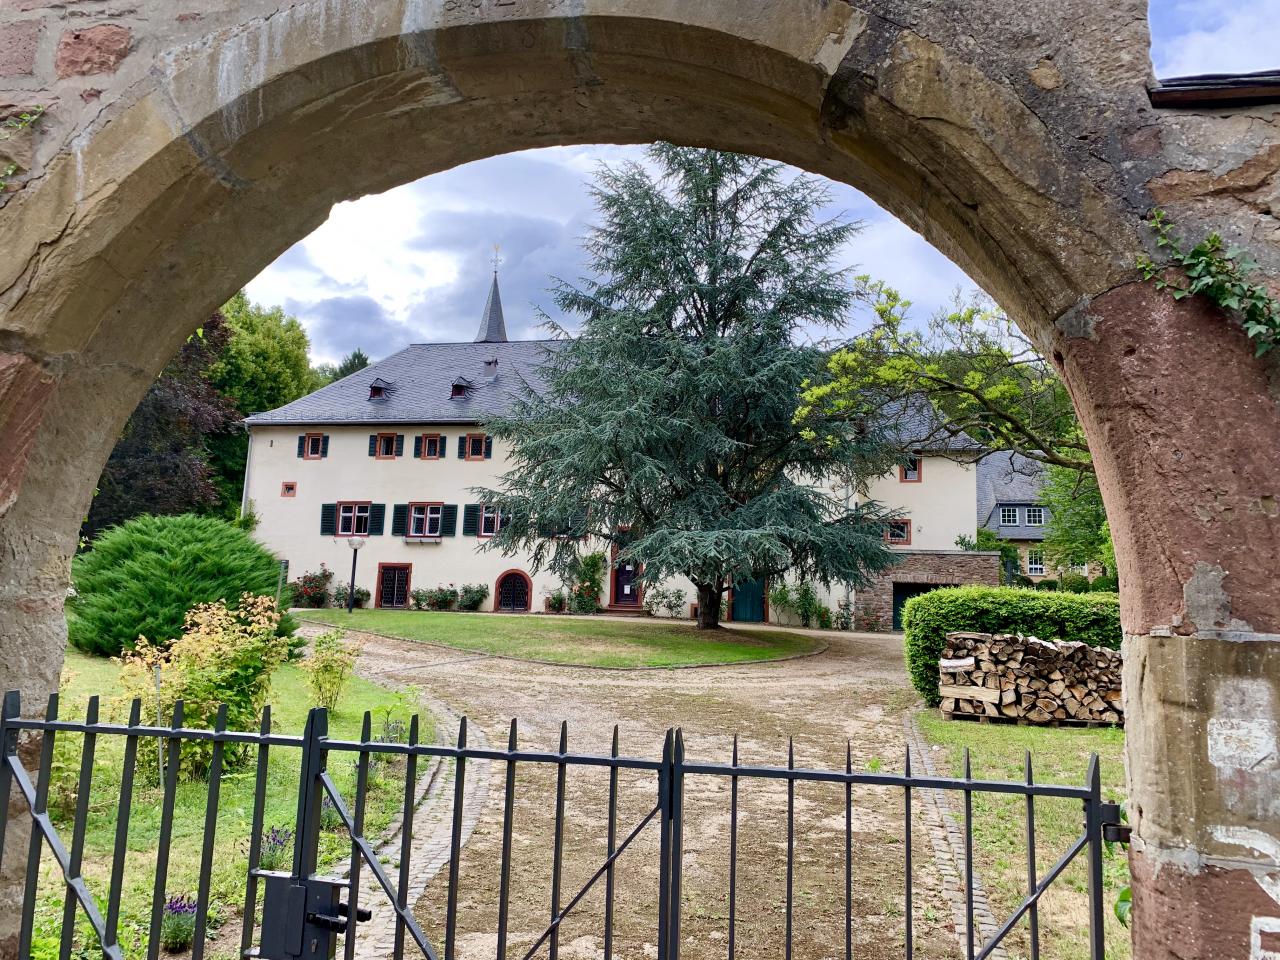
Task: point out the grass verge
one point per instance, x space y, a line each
578 641
1059 755
290 699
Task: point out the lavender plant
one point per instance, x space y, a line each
178 923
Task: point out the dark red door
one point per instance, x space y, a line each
393 586
625 586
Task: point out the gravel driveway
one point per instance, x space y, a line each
855 692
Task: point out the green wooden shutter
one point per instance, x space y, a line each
471 520
400 520
462 447
377 518
399 444
302 445
449 520
417 447
488 447
324 445
373 444
328 519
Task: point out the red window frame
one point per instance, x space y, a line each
439 446
483 438
355 515
485 510
289 488
426 520
377 449
306 446
902 471
906 525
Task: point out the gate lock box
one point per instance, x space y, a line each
301 919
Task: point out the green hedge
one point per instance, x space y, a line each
1092 618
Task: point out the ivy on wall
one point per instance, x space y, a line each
9 128
1214 270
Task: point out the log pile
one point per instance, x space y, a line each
1025 680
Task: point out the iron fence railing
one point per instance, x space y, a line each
302 914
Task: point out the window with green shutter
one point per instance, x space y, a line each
302 444
377 518
471 520
449 520
328 519
399 520
373 444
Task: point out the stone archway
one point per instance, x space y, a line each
185 149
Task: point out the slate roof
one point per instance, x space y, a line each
913 422
1009 479
421 379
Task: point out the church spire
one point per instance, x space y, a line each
493 327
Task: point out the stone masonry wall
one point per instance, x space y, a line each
873 605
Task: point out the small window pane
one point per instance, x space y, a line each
1035 516
899 531
418 522
313 445
431 447
362 521
433 521
1008 516
489 522
911 471
476 445
345 519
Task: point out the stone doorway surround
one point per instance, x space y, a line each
186 147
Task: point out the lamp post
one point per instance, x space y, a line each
355 543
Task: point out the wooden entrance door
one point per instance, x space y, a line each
393 585
748 602
626 588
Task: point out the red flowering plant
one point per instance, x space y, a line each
312 588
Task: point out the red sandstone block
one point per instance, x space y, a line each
97 49
18 43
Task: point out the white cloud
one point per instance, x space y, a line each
1214 36
413 264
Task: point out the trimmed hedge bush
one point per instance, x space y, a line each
141 577
1091 618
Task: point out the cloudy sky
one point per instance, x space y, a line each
413 264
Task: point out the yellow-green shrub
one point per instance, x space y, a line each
223 656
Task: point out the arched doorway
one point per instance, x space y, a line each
206 145
513 592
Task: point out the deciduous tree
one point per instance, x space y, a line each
161 463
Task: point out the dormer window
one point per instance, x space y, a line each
379 389
459 391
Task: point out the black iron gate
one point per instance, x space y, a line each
304 914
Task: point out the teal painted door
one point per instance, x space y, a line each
748 602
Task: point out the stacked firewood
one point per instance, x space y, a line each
1028 680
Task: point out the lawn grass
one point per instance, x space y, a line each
290 699
1059 755
579 641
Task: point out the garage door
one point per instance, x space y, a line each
902 592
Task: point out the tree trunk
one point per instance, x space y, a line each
708 606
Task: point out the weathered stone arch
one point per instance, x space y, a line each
185 149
